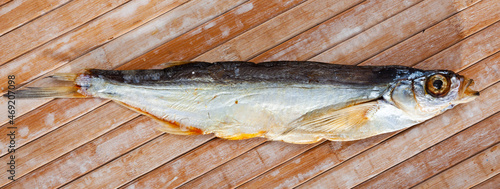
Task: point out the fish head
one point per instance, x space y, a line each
432 93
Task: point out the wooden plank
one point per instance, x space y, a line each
440 36
291 23
335 30
476 47
408 143
233 174
91 155
251 163
194 163
51 25
46 119
291 174
65 139
493 182
213 33
440 157
139 161
24 11
489 69
130 45
469 172
3 2
392 31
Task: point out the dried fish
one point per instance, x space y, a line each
290 101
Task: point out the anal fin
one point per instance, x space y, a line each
241 136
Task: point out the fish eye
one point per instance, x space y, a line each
438 85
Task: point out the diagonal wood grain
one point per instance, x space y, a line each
62 20
476 47
392 31
23 11
46 119
440 157
492 182
440 36
65 139
3 2
335 30
136 162
469 172
194 163
91 155
253 162
289 24
213 33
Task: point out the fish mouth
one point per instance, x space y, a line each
465 92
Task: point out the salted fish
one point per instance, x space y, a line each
290 101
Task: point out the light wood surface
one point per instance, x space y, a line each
96 143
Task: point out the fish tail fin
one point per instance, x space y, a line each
48 92
72 91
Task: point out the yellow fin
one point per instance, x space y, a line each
332 123
241 136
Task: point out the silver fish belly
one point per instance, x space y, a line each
296 102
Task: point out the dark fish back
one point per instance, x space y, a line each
276 71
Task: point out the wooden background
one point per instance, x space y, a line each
95 143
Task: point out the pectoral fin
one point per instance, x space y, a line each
330 119
351 123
